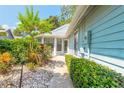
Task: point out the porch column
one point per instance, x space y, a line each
55 47
42 40
62 46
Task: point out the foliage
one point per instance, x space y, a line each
5 45
17 32
29 22
45 52
68 60
4 68
49 24
20 50
67 13
31 66
3 34
17 47
46 26
5 62
88 74
34 57
5 57
39 57
54 21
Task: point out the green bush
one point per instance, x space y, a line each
19 48
31 66
3 34
46 52
68 60
88 74
5 45
22 49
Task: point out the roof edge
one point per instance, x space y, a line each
79 14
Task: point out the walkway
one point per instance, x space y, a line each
61 77
53 75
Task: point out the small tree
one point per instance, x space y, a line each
30 24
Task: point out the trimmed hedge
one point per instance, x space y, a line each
88 74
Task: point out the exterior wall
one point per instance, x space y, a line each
106 24
71 44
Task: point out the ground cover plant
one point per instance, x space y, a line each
88 74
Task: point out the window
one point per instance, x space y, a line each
65 45
59 46
49 41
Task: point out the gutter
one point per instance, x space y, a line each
50 35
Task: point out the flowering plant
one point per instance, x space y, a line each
5 57
5 65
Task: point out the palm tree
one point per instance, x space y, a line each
30 22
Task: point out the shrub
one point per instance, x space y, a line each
5 57
45 52
25 51
4 68
19 48
68 60
5 45
31 66
34 57
85 73
5 62
3 34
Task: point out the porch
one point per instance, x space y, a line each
58 45
56 39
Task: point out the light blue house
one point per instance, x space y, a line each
97 33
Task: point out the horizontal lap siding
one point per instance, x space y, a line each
71 44
81 37
116 53
98 14
107 28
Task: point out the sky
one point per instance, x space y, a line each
9 13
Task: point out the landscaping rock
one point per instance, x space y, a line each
52 75
12 79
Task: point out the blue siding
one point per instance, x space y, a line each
106 24
80 37
71 44
107 31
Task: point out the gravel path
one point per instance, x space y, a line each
53 75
